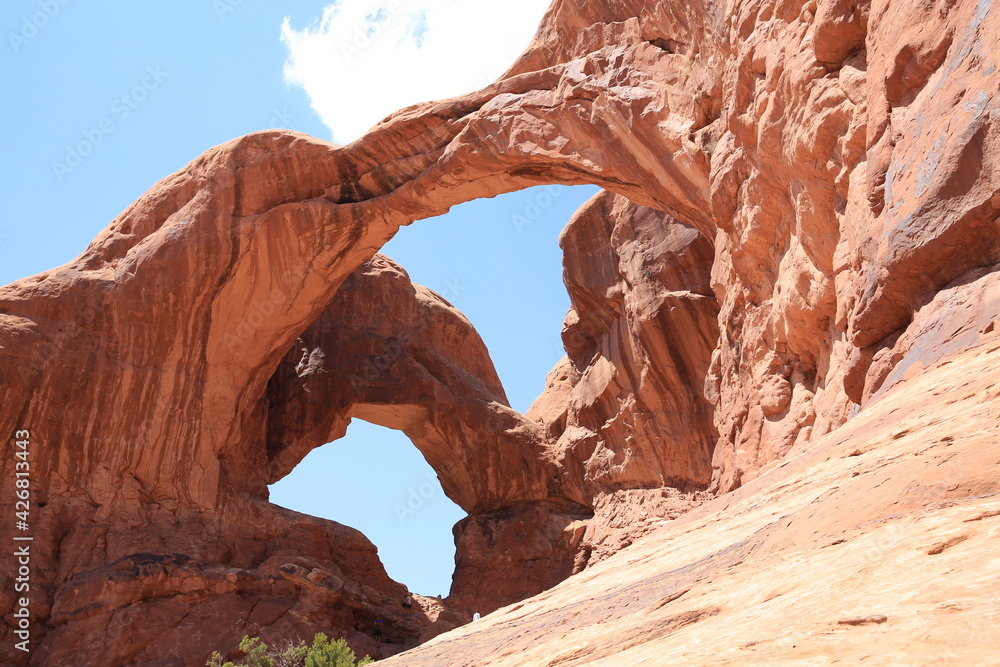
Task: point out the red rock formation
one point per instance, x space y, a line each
875 544
859 152
838 161
626 407
419 367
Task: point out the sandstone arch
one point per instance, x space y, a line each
419 367
240 252
142 368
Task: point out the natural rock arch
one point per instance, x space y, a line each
240 252
142 367
421 368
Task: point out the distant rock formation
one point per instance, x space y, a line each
801 220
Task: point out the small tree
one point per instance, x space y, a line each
332 653
322 653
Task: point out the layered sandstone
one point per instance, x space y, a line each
800 229
859 160
420 367
626 407
876 543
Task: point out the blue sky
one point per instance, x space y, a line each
104 99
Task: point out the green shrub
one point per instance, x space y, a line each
322 652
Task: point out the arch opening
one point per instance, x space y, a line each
393 352
376 481
498 261
390 352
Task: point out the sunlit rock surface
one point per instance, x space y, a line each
787 300
875 543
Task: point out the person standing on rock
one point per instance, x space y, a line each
378 630
407 601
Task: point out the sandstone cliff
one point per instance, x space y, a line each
799 235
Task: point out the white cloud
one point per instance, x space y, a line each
365 59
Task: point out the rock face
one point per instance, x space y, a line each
875 544
420 367
800 228
849 130
625 407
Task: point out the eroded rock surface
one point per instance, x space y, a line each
857 163
801 221
420 367
626 407
874 544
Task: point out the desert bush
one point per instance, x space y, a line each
322 652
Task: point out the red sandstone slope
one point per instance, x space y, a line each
804 219
875 544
